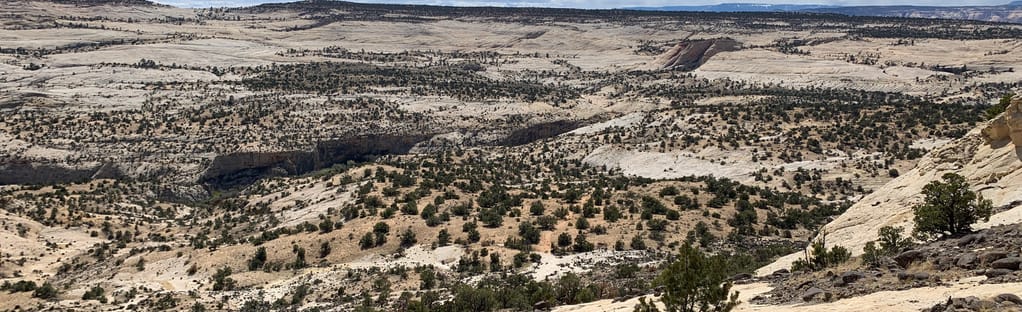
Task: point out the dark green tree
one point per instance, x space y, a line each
408 238
46 291
367 241
950 208
258 259
537 208
694 282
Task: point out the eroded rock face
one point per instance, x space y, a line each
247 167
29 172
689 55
1007 125
538 132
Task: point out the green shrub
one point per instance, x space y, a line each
820 257
891 241
95 293
46 291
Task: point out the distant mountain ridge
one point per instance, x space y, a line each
1007 13
739 7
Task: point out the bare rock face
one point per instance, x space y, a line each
689 55
1007 125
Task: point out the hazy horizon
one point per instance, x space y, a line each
592 4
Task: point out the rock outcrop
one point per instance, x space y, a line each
539 132
32 172
691 54
247 167
1007 126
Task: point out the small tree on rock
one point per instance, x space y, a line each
950 208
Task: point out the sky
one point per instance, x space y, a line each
597 4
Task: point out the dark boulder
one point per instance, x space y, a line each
1010 263
1009 298
904 276
967 261
971 239
922 276
741 277
983 305
851 276
991 273
991 256
812 293
907 257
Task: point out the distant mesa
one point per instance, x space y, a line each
690 54
107 2
1006 13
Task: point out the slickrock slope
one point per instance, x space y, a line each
990 157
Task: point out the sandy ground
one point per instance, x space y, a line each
41 260
307 201
667 165
905 300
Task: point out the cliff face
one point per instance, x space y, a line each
539 132
989 157
247 167
29 172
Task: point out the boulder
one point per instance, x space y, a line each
1009 298
971 239
851 276
904 276
962 303
944 263
838 282
991 273
907 257
922 276
1010 263
741 276
983 305
812 293
991 256
966 261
